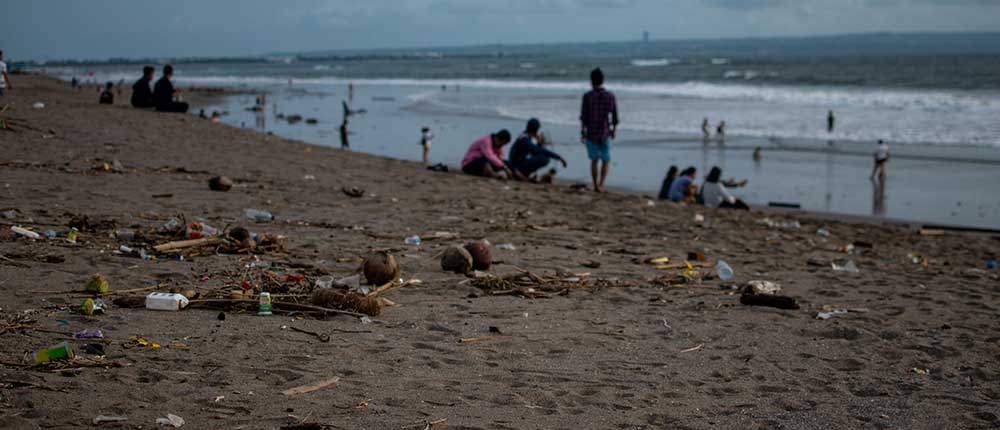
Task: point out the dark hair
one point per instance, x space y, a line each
597 77
147 70
672 172
689 171
880 141
109 85
714 174
533 125
168 69
425 129
502 135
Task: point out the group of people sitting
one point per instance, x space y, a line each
163 96
528 155
682 189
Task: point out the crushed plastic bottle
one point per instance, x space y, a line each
823 232
848 267
413 240
49 234
724 271
506 247
171 225
324 282
259 215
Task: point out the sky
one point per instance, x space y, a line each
99 29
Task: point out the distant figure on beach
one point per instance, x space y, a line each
830 122
107 96
714 194
425 142
344 143
881 158
350 92
599 125
164 93
5 84
201 114
485 156
142 96
683 188
756 154
527 156
706 130
119 86
216 117
667 182
720 131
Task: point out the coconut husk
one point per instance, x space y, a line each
348 301
220 183
381 268
456 259
480 252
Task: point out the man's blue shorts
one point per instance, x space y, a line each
599 151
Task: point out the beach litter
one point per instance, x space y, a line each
724 271
916 258
25 232
60 351
830 314
768 300
381 268
413 240
89 334
780 224
353 192
170 420
763 287
823 232
166 302
91 307
480 252
220 183
258 215
101 419
38 105
97 284
506 247
991 264
456 259
845 267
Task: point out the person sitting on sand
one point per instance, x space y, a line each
142 96
714 194
485 156
107 96
681 188
667 182
527 156
164 93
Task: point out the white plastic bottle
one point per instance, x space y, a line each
724 271
166 302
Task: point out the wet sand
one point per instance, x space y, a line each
618 349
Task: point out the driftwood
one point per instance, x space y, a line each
315 386
183 244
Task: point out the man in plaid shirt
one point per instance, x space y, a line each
599 122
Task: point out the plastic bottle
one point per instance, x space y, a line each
25 232
724 271
506 247
265 304
125 235
71 236
413 240
259 215
166 302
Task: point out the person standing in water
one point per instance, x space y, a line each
344 144
720 131
599 124
706 130
881 158
830 122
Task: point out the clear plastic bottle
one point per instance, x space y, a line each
724 271
259 215
413 240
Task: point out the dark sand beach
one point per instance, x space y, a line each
614 344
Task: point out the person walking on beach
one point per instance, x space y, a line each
667 182
682 189
107 96
599 125
425 142
830 122
142 96
5 84
485 156
164 93
881 158
526 156
706 131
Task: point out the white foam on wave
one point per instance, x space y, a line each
660 62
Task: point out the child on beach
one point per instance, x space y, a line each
881 157
5 84
599 124
485 156
425 142
107 96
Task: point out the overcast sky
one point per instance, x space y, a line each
53 29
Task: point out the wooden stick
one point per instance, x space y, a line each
480 339
276 305
700 346
391 285
315 386
182 244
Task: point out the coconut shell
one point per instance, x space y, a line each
480 252
456 259
381 268
220 183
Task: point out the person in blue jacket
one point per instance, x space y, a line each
526 156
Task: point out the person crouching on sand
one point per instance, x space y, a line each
485 156
683 188
526 155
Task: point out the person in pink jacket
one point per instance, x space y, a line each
485 156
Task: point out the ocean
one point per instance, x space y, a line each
934 98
